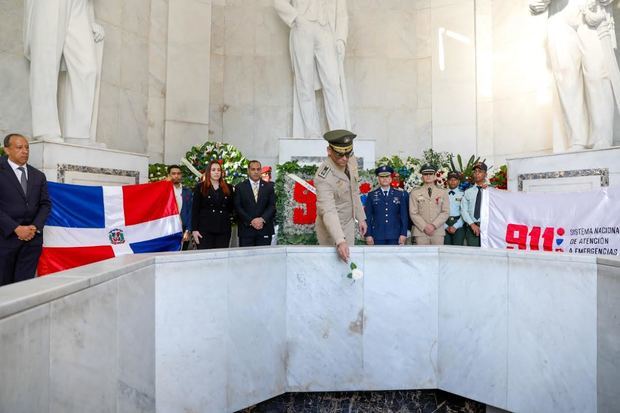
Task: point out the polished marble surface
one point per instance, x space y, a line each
223 330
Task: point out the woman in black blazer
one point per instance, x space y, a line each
212 209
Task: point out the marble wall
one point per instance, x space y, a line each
223 330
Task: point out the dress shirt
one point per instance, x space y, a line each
456 195
17 172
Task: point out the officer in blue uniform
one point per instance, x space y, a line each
387 212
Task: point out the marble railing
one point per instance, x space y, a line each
219 331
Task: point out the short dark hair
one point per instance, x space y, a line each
7 138
254 161
171 167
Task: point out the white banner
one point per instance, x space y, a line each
576 223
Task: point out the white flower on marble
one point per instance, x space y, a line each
356 273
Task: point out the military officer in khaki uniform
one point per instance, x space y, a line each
429 208
338 198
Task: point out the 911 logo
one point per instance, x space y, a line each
523 237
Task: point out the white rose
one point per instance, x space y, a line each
357 274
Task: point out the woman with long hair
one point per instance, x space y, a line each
212 209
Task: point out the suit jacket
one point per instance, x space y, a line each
18 209
186 209
211 213
248 209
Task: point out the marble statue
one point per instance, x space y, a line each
581 43
61 35
318 39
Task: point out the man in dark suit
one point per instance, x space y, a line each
24 207
183 197
255 203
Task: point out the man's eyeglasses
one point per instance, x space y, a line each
342 155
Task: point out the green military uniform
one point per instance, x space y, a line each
425 208
338 198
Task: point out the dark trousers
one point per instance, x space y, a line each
255 241
473 240
456 238
386 242
19 263
210 241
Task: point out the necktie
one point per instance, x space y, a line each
430 191
451 192
478 204
255 190
23 181
385 193
346 172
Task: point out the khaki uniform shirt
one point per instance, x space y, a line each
428 210
338 203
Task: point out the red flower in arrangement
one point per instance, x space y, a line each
365 188
396 181
220 161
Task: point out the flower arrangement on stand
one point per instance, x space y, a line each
466 170
295 205
234 164
499 180
157 172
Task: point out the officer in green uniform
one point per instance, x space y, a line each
338 198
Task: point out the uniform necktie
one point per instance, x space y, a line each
23 180
385 193
430 191
346 172
451 192
255 191
478 204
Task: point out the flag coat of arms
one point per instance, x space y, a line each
93 223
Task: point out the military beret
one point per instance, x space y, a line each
454 174
427 168
340 140
480 165
384 170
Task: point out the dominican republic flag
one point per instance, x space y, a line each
93 223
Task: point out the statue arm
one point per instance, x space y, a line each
286 11
98 32
539 6
342 21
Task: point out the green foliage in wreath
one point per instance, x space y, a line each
234 164
2 151
288 232
157 172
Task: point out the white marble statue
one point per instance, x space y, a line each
581 43
317 45
60 35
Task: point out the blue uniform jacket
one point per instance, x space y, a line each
387 216
186 209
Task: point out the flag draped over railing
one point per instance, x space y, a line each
92 223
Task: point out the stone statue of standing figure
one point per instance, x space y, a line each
581 41
318 39
60 35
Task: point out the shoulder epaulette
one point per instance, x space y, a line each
324 171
